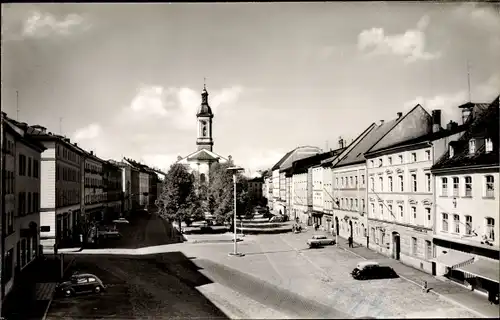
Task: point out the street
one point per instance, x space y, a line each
277 278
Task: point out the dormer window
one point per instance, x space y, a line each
472 146
489 145
451 151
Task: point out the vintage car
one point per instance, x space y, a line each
372 270
80 283
319 241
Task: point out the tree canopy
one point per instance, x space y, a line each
220 193
179 201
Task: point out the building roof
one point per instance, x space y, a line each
256 179
297 154
20 134
415 123
301 166
203 154
278 164
483 125
204 110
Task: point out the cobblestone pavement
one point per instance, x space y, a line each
45 291
323 275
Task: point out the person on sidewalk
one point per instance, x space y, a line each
350 242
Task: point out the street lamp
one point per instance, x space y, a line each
235 170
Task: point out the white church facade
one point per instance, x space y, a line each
199 162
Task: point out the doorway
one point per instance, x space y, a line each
396 245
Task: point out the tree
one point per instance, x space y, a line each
179 201
221 193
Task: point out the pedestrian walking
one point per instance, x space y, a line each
350 242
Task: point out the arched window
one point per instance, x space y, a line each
203 178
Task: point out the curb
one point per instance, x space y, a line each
214 241
53 293
442 296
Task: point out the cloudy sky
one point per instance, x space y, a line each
126 78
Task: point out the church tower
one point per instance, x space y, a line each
204 118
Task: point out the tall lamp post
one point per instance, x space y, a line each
235 170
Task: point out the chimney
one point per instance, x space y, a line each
76 144
400 114
179 158
451 125
341 143
436 120
381 122
91 152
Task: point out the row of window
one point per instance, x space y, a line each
67 174
386 212
28 166
488 186
488 147
95 198
350 204
28 203
67 154
379 237
92 167
380 162
68 197
400 187
349 182
466 227
94 182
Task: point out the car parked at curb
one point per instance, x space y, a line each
372 270
319 241
80 283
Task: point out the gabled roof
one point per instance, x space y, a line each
203 154
483 125
416 123
297 154
278 164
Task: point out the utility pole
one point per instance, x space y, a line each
17 105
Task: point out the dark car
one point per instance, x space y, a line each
372 270
80 283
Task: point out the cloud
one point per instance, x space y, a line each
39 25
410 45
254 160
149 102
485 16
90 132
448 102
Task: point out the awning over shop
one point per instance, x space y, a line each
454 259
317 213
483 268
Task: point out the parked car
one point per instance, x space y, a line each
319 240
80 283
121 221
276 219
372 270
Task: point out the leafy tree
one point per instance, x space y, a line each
221 194
179 201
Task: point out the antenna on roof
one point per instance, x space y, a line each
17 105
468 79
60 126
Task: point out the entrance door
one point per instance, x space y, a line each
396 245
434 269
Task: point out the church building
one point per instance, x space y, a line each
199 162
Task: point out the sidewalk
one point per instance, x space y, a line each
442 287
34 290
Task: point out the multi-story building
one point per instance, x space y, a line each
143 188
126 187
400 191
113 190
255 188
20 201
302 181
60 202
466 233
282 190
95 197
347 192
